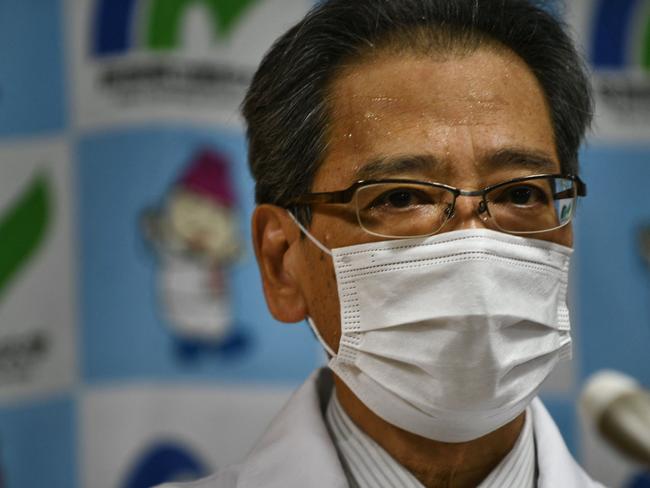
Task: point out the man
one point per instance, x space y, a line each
416 176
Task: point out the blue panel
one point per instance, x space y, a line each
32 88
611 32
112 31
125 334
38 445
614 281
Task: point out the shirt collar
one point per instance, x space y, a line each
366 464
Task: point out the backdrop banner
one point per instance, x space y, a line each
135 343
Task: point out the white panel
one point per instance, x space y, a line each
622 95
219 425
177 95
37 319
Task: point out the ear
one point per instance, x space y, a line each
276 238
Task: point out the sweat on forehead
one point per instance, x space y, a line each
438 44
375 89
460 109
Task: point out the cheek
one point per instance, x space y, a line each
567 236
563 236
333 230
319 269
322 296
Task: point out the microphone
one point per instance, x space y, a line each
620 409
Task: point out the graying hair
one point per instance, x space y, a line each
286 107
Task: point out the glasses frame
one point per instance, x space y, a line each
346 196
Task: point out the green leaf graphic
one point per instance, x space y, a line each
22 229
165 16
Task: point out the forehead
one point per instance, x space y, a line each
459 111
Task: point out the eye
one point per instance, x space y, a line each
400 198
522 196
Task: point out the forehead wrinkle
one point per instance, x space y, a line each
380 109
360 104
373 115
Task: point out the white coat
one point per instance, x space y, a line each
297 451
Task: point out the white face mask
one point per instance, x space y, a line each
450 336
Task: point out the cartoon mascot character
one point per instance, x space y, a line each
195 234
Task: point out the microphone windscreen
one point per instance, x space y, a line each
602 389
619 408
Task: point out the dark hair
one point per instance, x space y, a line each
286 107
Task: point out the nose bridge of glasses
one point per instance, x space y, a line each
469 207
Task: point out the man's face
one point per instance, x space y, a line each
475 120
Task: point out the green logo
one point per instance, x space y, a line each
165 16
22 229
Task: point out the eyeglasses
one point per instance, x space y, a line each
411 208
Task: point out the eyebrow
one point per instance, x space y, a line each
508 158
515 157
396 165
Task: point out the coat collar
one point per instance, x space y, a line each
297 449
554 461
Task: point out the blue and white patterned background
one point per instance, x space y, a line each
106 119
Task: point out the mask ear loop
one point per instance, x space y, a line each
316 242
310 321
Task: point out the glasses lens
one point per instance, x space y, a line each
534 205
402 209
